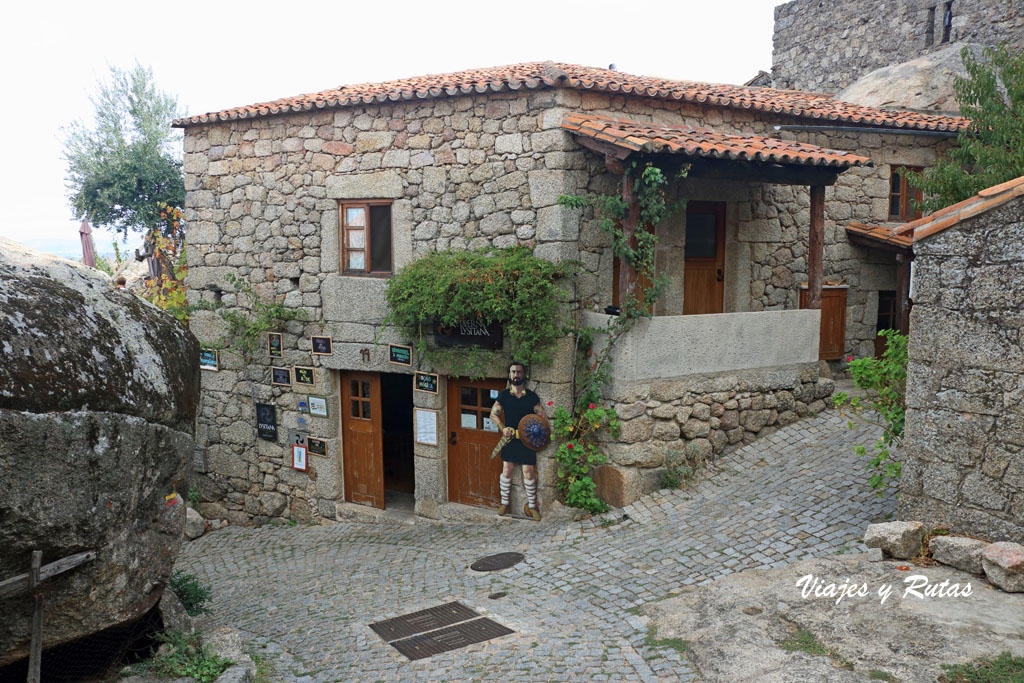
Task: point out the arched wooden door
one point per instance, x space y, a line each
361 438
472 474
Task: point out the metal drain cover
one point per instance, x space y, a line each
493 563
422 621
451 638
437 629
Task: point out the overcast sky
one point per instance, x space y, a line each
214 55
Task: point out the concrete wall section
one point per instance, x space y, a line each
682 345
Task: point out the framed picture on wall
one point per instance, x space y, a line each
316 447
317 406
281 377
298 457
275 344
304 375
321 346
208 359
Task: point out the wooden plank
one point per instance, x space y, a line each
36 648
603 147
816 246
760 172
21 583
66 563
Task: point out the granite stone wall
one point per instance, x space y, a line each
825 45
462 173
964 453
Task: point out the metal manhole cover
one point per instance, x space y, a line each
495 562
451 638
422 621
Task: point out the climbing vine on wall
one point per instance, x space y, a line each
507 286
593 370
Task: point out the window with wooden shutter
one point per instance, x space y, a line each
365 238
902 197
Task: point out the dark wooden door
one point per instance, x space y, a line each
472 474
361 438
833 321
704 267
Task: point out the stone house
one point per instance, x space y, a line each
963 456
314 200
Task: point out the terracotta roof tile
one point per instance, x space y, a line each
879 233
926 226
533 75
702 142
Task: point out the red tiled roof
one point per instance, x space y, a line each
702 142
533 75
879 233
926 226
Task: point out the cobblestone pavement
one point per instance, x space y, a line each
305 595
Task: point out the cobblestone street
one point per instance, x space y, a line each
305 595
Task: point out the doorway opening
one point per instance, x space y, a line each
397 437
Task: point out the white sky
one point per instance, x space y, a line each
215 55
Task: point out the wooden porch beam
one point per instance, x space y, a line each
773 174
903 292
816 247
605 148
628 276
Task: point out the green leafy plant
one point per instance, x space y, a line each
246 329
193 497
1003 669
578 454
680 468
192 594
991 150
185 655
804 641
884 382
507 286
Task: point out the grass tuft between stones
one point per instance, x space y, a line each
1003 669
804 641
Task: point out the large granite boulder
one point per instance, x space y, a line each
922 84
98 395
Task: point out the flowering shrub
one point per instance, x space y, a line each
884 382
578 453
167 290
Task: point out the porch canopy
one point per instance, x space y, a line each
716 155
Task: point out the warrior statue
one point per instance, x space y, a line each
519 417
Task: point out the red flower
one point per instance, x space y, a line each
849 358
591 406
569 445
551 403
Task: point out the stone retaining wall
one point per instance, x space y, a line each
964 452
702 415
825 45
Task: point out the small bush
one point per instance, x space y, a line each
681 468
1003 669
192 594
185 655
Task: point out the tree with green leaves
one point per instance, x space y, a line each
126 164
991 150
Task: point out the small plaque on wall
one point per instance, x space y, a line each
321 346
425 382
266 421
304 375
208 359
426 426
275 344
298 457
399 355
281 377
316 447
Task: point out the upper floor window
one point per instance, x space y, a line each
947 22
902 197
365 237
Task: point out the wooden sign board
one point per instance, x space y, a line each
425 382
281 377
208 359
304 375
399 355
275 344
321 346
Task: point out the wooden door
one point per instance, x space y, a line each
704 267
472 474
832 337
361 438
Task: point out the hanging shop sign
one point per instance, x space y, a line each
470 333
